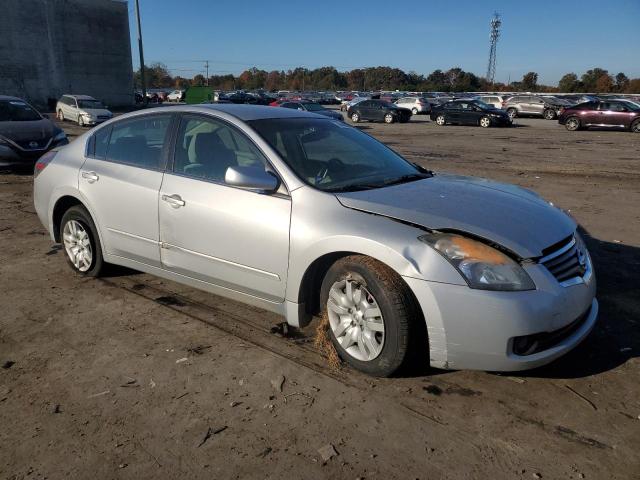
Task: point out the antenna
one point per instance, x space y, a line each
495 34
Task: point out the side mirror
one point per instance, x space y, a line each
251 178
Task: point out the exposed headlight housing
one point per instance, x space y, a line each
483 267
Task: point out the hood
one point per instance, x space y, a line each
35 130
510 216
96 112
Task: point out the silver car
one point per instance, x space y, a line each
303 215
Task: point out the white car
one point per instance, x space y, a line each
175 96
417 105
83 109
495 100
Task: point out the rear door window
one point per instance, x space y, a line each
139 142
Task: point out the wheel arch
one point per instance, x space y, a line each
64 201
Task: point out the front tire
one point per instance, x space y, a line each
572 124
371 313
440 120
80 121
485 122
388 118
60 115
414 111
512 112
81 242
549 114
635 126
355 118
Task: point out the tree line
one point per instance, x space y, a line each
455 79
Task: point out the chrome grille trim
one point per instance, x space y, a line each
569 265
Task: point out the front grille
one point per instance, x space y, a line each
566 261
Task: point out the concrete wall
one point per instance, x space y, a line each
52 47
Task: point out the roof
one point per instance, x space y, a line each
79 97
255 112
9 97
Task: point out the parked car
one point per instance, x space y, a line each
493 100
469 112
175 96
417 105
608 114
25 134
534 106
385 250
314 108
345 105
83 109
378 110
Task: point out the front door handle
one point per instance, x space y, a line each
174 200
90 176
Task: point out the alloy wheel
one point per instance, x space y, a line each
414 111
512 112
80 121
440 120
635 127
549 114
77 244
485 122
388 118
355 118
356 320
572 124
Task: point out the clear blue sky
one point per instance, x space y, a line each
549 37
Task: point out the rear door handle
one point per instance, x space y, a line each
90 176
174 200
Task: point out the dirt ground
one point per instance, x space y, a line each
134 377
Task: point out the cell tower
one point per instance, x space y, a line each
495 34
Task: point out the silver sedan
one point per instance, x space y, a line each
303 215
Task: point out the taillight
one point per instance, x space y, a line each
42 162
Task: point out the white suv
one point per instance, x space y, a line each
83 109
175 96
417 105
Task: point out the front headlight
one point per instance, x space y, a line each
482 266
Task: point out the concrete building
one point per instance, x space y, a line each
52 47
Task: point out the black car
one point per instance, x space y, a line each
314 108
25 134
378 110
469 112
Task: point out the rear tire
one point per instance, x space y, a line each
414 111
549 114
485 122
81 242
382 317
635 126
512 112
572 124
355 117
441 120
388 118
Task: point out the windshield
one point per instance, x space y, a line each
313 107
332 156
631 105
17 111
483 105
90 104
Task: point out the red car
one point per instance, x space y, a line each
605 113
